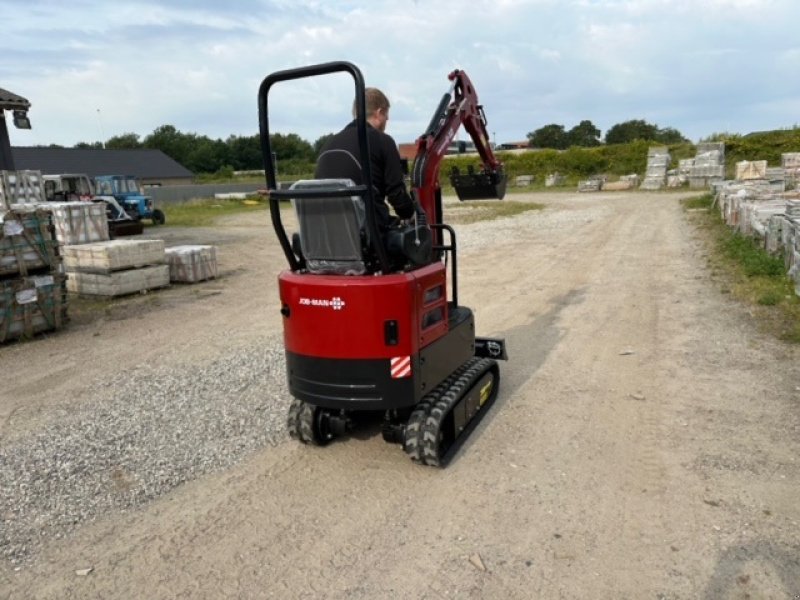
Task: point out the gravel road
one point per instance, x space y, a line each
644 443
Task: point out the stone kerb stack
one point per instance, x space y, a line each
658 159
754 208
33 295
116 267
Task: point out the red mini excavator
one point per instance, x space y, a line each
370 323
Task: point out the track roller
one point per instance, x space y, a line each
444 417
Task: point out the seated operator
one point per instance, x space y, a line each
340 159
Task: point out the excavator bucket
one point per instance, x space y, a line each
483 185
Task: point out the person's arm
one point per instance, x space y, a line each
395 184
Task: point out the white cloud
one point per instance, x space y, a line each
198 65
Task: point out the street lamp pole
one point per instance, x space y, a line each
102 133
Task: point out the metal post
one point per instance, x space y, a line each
6 158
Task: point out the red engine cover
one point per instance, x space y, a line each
333 316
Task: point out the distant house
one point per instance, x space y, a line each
408 151
513 146
152 167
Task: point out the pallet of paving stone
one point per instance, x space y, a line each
751 169
189 264
27 242
118 283
113 255
79 222
32 305
20 187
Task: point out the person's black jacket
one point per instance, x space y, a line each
340 159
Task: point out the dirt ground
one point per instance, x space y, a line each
645 442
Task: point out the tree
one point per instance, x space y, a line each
126 141
321 141
245 152
584 134
171 142
549 136
207 155
89 145
668 135
291 146
637 129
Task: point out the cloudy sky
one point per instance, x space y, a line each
95 69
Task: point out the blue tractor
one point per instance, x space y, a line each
128 192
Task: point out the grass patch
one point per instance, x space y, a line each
203 212
698 202
743 268
472 211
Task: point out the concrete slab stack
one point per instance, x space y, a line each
116 267
658 159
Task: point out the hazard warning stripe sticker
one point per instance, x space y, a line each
401 367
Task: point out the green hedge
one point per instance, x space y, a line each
612 160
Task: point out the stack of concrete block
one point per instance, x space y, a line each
594 184
32 289
655 177
777 178
708 165
523 180
20 187
116 267
554 179
790 163
189 264
680 176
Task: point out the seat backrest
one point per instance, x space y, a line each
331 228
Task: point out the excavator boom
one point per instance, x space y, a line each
459 106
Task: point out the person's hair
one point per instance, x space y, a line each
375 99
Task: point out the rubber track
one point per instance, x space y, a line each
423 432
412 443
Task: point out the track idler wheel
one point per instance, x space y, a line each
315 425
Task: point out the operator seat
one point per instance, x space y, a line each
332 232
